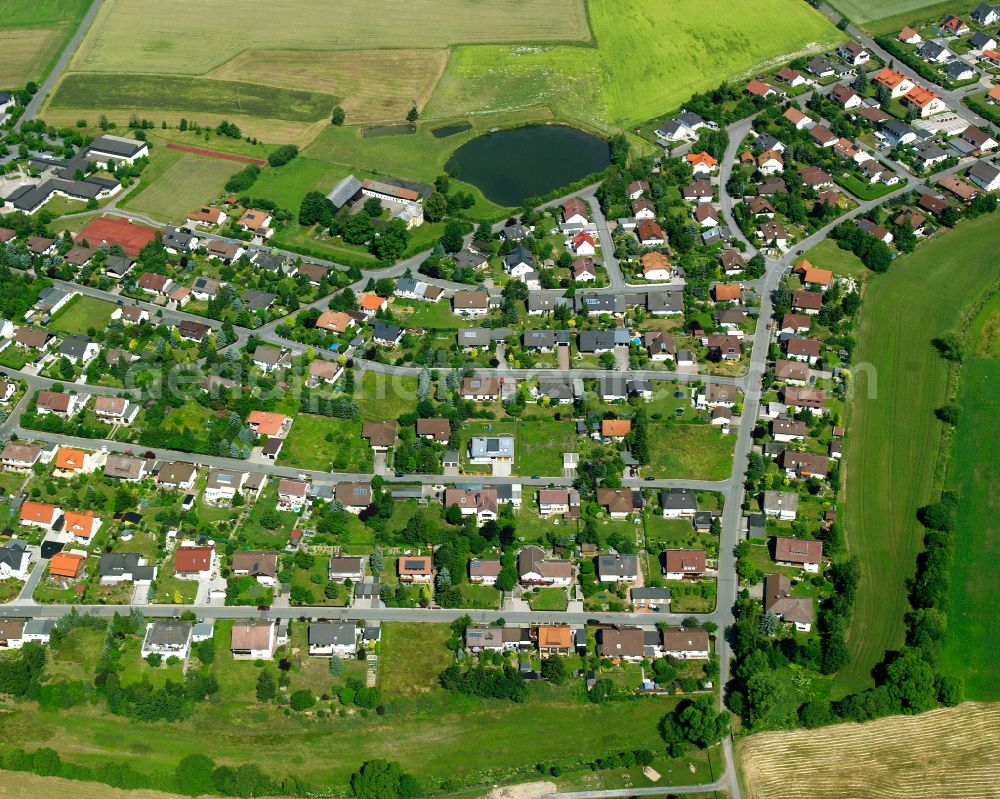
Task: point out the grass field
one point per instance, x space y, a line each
32 34
618 81
974 473
953 752
895 437
158 94
146 36
176 183
376 85
20 783
80 314
323 442
869 10
698 452
828 255
288 184
413 655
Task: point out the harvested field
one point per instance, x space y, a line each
19 784
376 85
150 36
25 51
952 752
216 154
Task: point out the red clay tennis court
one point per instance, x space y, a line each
131 237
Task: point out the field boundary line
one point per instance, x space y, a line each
243 159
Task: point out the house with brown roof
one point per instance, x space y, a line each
195 563
806 553
31 338
805 464
478 502
313 273
20 457
206 216
803 349
684 643
470 304
535 568
436 429
809 301
262 566
813 399
177 475
381 435
619 502
727 292
779 601
253 640
345 567
125 467
484 572
335 321
558 501
679 564
481 389
415 569
151 283
958 188
791 372
575 212
292 494
616 429
61 404
728 346
649 233
626 643
325 371
115 410
354 497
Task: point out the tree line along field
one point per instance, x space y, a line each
429 731
152 37
970 649
900 381
953 752
32 34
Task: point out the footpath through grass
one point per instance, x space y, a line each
970 649
895 438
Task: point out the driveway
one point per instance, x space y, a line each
562 353
381 461
621 358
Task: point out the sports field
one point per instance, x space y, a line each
649 58
150 36
176 183
32 34
953 752
895 437
970 649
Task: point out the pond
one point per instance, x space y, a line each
388 130
450 130
511 165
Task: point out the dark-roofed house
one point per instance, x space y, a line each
117 567
167 639
333 639
678 503
618 568
779 601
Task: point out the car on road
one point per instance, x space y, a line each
263 607
650 479
399 474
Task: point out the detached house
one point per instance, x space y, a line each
195 563
853 53
681 563
779 601
478 502
535 569
807 554
253 640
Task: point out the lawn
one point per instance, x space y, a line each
32 35
411 658
694 451
862 190
541 444
81 314
326 443
548 599
895 438
383 397
176 183
287 185
827 255
974 473
428 315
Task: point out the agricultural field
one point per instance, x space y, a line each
952 752
618 82
376 85
159 95
895 436
22 783
176 183
146 36
974 474
32 34
892 15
